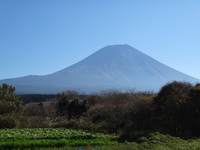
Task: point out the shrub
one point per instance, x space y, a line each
7 122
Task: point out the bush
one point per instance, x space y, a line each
7 122
35 122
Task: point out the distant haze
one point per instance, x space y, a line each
112 67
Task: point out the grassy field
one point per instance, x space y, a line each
58 139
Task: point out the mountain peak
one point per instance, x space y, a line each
117 48
112 53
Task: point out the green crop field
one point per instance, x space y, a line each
42 138
54 139
44 133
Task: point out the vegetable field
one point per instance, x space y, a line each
58 139
39 133
43 138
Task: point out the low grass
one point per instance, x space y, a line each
157 141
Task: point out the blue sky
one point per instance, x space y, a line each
39 37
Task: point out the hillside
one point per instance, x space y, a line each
112 67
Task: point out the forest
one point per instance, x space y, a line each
127 116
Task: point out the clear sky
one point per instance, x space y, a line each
39 37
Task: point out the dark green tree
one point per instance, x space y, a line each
70 105
11 108
193 106
170 107
77 107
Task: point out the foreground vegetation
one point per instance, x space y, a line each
40 138
72 139
129 120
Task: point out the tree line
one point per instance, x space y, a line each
174 110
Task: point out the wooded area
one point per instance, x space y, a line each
174 110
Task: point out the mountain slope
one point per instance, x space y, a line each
112 67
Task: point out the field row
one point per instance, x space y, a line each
45 133
22 144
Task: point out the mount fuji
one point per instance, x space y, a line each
112 67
